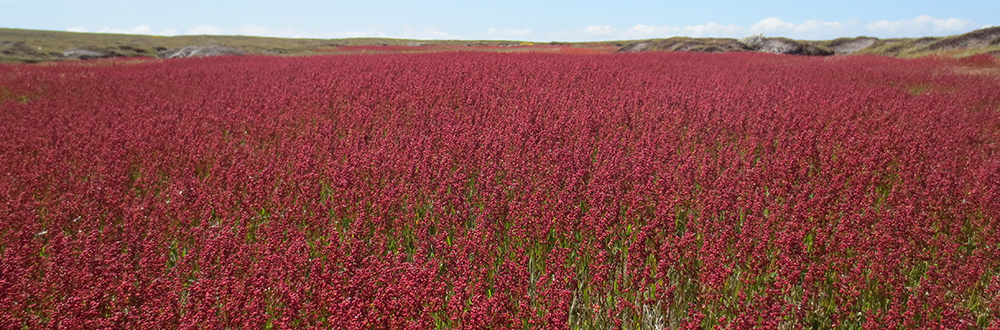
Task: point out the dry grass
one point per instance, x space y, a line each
31 46
687 44
982 41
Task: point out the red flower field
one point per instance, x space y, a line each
482 190
561 49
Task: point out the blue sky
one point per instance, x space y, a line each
518 20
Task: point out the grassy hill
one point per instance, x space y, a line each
983 41
32 46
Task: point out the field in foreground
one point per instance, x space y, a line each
483 190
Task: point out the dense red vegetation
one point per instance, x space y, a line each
475 190
560 49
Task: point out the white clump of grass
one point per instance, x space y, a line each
753 41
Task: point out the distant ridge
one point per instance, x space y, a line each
33 46
982 41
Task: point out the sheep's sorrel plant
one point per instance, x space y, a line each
478 190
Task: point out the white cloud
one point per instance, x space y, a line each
206 29
776 27
811 29
593 32
247 30
771 27
923 25
815 29
507 33
819 27
771 24
427 33
641 31
599 30
360 34
141 29
713 29
263 31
